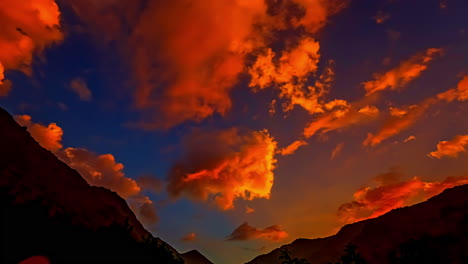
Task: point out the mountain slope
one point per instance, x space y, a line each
195 257
435 231
48 209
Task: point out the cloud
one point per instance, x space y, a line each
5 85
341 115
410 138
392 192
100 170
28 27
97 170
403 118
290 74
150 182
225 165
249 210
403 74
451 148
189 237
336 151
246 232
292 147
49 137
180 82
79 86
381 17
397 123
460 93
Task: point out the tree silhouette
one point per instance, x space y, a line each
351 256
286 258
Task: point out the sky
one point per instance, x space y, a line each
234 127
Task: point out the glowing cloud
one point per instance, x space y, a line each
292 147
246 232
28 27
183 83
341 115
225 165
49 137
97 170
391 193
100 170
397 123
410 138
189 237
79 86
404 73
460 93
336 151
249 210
451 148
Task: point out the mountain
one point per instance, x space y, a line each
195 257
47 209
435 231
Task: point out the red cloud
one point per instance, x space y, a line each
451 148
49 137
341 115
246 232
79 86
390 193
28 27
189 237
292 147
460 93
395 124
403 73
225 165
97 170
186 56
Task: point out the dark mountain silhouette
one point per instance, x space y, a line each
195 257
435 231
47 209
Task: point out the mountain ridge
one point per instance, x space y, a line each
48 209
442 217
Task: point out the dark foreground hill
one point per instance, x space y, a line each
195 257
435 231
47 209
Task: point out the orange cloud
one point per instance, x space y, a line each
291 73
5 85
460 93
336 151
249 210
403 74
410 138
28 27
451 148
186 56
391 193
104 171
341 115
292 147
49 137
246 232
189 237
97 170
225 165
100 170
395 124
79 86
381 17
